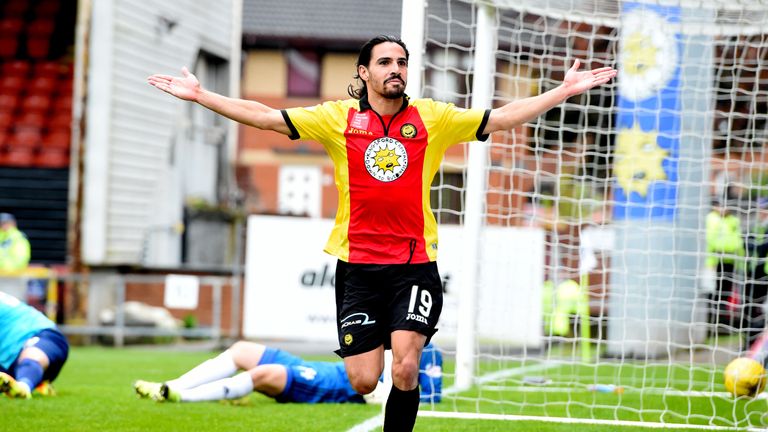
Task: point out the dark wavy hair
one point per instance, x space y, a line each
364 59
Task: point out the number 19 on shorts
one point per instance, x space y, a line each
420 313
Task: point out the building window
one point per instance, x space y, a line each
447 197
303 73
448 77
300 190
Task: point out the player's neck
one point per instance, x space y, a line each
384 106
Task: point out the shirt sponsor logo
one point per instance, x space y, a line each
349 323
359 132
415 317
360 318
359 121
386 159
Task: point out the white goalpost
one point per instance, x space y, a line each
590 289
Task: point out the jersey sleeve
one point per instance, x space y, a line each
318 123
452 125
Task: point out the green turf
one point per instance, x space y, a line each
95 394
643 398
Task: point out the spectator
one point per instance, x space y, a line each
560 303
725 248
14 246
756 283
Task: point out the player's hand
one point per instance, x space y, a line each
576 82
186 87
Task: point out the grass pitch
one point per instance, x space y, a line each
95 394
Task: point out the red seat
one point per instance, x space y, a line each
31 120
11 84
52 158
24 138
63 102
42 85
41 28
39 34
17 68
48 69
11 27
19 157
6 119
8 102
36 103
60 120
58 139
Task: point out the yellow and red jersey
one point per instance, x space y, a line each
384 166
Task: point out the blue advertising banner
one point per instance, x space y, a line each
645 159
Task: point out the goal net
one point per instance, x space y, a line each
650 195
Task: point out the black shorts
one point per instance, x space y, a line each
373 300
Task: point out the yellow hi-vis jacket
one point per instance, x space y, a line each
14 251
724 240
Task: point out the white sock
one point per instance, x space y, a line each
219 367
230 388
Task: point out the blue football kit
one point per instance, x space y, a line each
22 326
312 381
317 381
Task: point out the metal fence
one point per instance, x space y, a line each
78 302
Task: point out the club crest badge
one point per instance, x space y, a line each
649 54
386 159
348 339
408 131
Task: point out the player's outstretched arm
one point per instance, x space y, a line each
251 113
518 112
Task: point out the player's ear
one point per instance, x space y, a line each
362 72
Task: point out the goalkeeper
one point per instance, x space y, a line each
32 350
279 375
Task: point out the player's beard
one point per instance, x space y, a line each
394 92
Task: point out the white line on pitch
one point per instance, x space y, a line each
369 424
654 391
378 420
482 416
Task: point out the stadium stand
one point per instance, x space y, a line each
36 73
